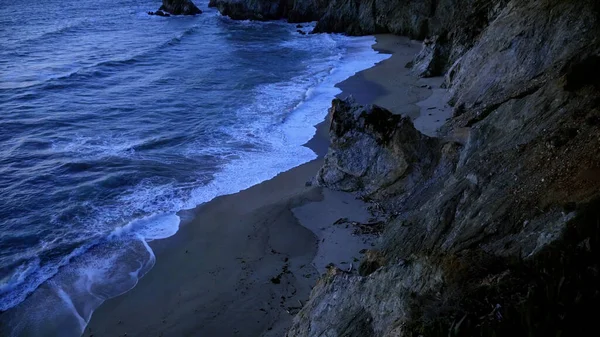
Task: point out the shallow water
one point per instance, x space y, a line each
112 121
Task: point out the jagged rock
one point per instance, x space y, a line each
374 151
307 10
179 7
356 17
433 57
343 305
261 10
501 236
372 261
513 45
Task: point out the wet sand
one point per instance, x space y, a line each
242 264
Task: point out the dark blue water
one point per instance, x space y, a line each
112 121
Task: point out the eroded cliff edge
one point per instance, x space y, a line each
493 226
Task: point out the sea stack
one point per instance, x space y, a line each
180 7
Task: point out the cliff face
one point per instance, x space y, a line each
376 153
261 10
504 242
496 234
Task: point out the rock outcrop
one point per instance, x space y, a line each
179 7
498 236
375 152
261 10
357 17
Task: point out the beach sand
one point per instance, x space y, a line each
243 264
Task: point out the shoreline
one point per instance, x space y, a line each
252 257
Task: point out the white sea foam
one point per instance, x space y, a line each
297 117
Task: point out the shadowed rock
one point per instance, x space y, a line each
503 239
433 57
262 10
374 151
179 7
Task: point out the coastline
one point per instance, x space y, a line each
252 257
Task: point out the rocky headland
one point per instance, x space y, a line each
491 226
261 10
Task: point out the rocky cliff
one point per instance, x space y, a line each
261 10
494 225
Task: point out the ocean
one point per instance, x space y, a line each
113 121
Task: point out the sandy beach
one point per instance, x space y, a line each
243 264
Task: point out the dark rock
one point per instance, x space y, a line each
433 58
299 26
372 261
374 151
261 10
306 10
301 32
497 241
356 17
180 7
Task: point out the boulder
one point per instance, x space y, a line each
374 151
179 7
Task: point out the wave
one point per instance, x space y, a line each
105 268
97 69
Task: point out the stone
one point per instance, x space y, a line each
372 261
262 10
490 226
433 58
374 151
179 7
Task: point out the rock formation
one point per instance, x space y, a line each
261 10
375 152
179 7
498 235
505 242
